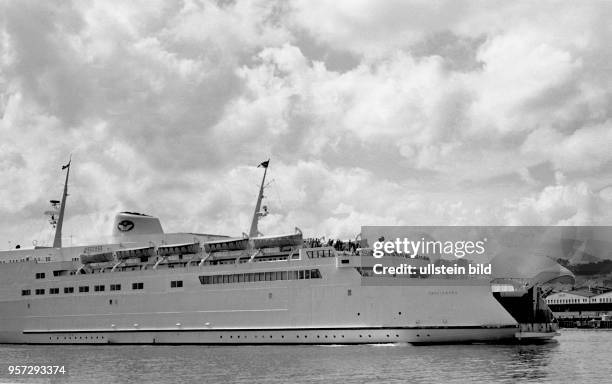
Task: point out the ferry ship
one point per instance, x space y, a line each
153 287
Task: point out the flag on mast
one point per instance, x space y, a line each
264 164
67 165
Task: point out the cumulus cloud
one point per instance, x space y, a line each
443 112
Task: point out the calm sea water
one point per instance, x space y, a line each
579 356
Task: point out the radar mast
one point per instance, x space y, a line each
254 232
57 241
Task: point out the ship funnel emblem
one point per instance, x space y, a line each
125 225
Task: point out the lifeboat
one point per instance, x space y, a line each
178 249
277 241
226 245
100 257
135 253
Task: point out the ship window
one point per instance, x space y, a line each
84 289
40 291
115 287
25 292
57 273
253 277
99 288
53 291
176 284
137 285
68 289
40 275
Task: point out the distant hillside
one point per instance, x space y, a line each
602 267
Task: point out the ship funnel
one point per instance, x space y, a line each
130 224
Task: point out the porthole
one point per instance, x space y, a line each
318 337
358 313
326 336
399 313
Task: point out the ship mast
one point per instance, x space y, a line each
57 241
254 232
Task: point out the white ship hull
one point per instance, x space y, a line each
339 307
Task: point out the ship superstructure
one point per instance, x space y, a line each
153 287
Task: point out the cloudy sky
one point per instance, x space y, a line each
373 112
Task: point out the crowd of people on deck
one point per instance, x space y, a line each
337 244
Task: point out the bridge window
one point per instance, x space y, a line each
83 289
99 288
68 289
115 287
40 275
176 284
25 292
53 291
40 291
